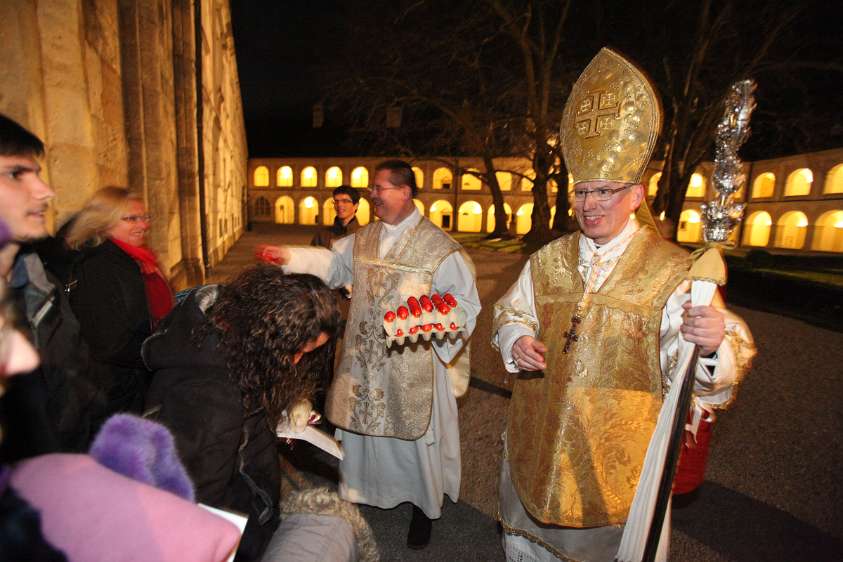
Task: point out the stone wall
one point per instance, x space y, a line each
111 87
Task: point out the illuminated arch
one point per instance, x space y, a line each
764 185
308 210
333 177
262 207
309 178
828 232
284 177
689 226
360 177
441 214
757 229
329 213
261 176
490 217
696 186
552 216
442 178
285 210
419 205
527 180
470 217
834 180
524 218
470 182
799 183
791 229
364 212
419 177
653 184
504 180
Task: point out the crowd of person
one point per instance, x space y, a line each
117 398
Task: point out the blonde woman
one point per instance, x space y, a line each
118 293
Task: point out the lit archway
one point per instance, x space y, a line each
333 177
442 178
552 216
419 177
696 186
504 180
470 217
689 226
834 180
653 184
308 210
309 177
799 183
524 218
828 232
360 177
764 185
285 210
261 176
364 212
470 182
490 217
527 180
441 214
419 205
284 177
791 229
757 229
329 213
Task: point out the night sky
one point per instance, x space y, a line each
286 51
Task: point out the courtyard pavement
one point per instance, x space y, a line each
773 485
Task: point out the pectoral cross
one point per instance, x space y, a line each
571 335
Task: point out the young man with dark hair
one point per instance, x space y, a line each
46 410
346 200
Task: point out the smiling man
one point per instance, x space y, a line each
48 409
396 407
345 200
593 325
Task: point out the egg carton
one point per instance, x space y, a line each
424 318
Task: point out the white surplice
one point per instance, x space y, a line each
384 471
713 387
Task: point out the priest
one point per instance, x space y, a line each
395 407
592 326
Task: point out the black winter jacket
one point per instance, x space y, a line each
231 455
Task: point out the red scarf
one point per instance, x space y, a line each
159 298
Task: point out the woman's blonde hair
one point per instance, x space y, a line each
102 211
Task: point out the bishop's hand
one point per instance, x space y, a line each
528 354
278 255
704 326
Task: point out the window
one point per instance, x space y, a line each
799 183
309 177
333 177
419 177
284 177
764 185
360 177
261 176
696 187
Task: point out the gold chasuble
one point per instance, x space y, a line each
577 436
380 391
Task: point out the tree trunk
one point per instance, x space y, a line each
501 229
562 221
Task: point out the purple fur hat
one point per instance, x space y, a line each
144 451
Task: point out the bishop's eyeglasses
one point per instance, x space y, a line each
600 194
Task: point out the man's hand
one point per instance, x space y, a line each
703 326
528 354
278 255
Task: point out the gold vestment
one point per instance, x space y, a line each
577 436
380 391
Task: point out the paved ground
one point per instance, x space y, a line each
773 488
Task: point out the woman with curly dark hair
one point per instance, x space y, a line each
227 361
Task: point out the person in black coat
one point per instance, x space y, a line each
227 361
117 292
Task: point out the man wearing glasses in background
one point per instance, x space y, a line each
346 199
395 407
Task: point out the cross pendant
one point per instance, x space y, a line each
571 335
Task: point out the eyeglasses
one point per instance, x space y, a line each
338 201
600 194
379 189
136 218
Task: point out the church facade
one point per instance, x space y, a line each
138 94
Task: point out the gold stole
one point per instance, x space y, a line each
380 391
577 436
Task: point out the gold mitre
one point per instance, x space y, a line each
611 121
